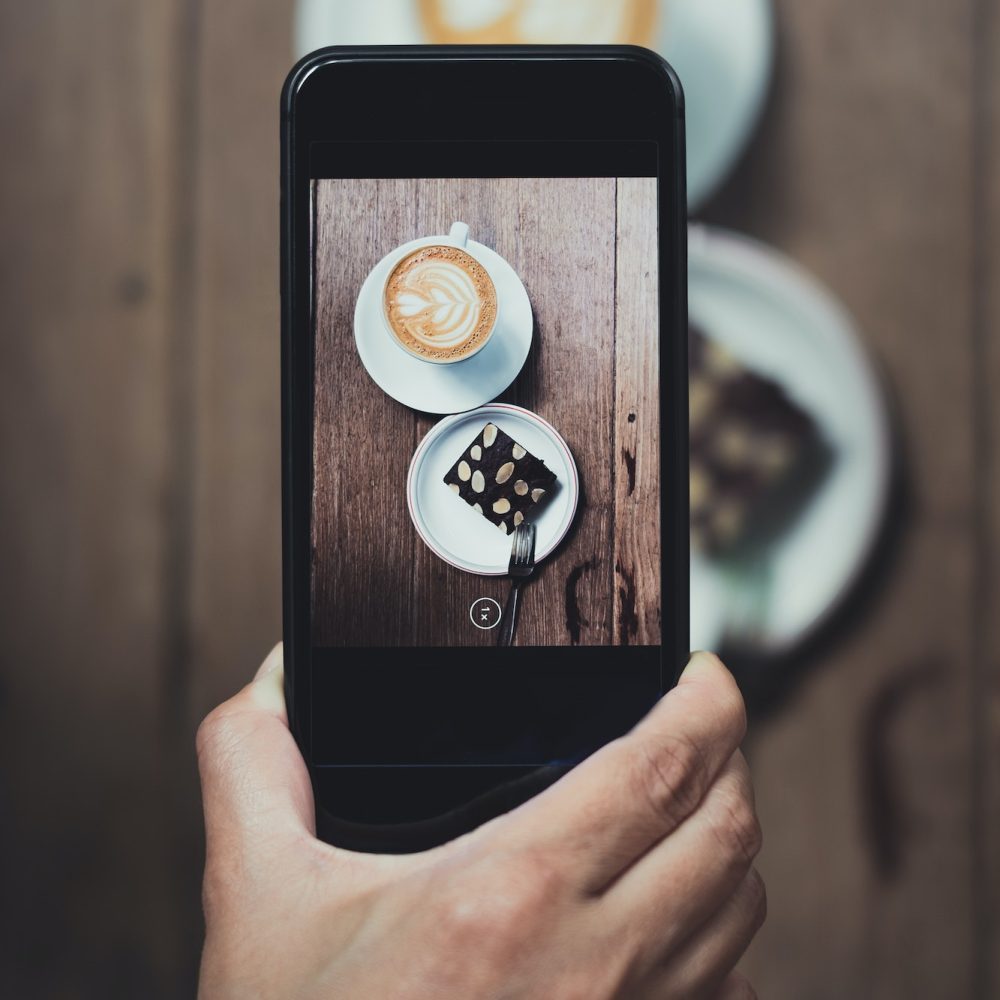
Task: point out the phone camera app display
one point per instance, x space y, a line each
486 438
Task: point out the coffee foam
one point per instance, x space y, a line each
440 302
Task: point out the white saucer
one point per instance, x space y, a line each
449 527
780 322
722 51
453 388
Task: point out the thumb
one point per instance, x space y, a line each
254 782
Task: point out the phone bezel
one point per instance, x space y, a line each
314 109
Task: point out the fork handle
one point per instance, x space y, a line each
508 623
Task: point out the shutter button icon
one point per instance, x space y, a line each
485 613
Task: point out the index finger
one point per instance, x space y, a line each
633 792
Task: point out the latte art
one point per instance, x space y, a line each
440 303
468 22
437 304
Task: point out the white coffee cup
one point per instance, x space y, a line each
448 295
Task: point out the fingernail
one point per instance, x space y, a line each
272 661
700 660
269 682
269 688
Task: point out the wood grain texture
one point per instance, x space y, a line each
486 205
566 259
560 236
986 193
87 108
231 615
363 437
861 172
139 501
636 452
235 474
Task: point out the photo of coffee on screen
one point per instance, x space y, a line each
440 303
486 405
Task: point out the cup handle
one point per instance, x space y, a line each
459 234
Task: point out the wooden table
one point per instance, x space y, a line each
585 249
139 536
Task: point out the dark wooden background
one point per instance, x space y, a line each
585 249
139 494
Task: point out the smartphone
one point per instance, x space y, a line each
484 327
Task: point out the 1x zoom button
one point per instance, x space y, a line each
485 613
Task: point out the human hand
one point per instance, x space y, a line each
629 877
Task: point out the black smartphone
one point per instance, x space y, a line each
484 384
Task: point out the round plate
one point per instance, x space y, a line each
722 51
445 388
779 322
450 528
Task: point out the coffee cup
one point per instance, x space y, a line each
479 22
439 303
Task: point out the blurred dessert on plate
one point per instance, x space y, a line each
756 456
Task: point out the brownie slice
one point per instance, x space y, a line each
755 455
499 478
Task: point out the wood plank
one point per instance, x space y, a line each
636 457
871 882
987 363
235 594
362 534
88 104
490 207
566 258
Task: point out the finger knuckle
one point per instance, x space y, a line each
737 828
672 774
474 921
495 913
727 698
208 732
739 988
216 737
506 907
756 899
541 880
733 709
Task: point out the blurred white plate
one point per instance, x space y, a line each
449 526
445 388
722 51
779 322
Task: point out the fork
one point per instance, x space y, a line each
521 566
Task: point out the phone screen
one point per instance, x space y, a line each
485 334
